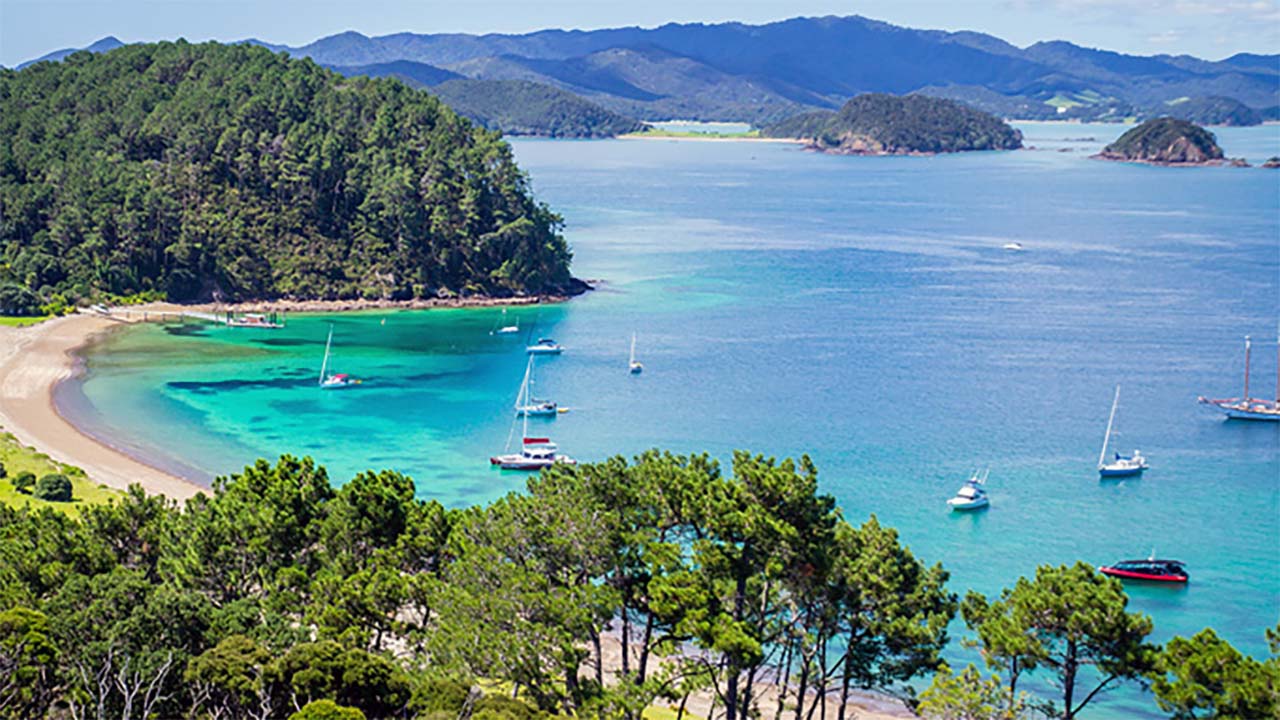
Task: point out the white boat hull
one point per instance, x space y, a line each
961 505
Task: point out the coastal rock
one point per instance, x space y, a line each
1272 163
1165 141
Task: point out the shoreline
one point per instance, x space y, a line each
34 361
40 364
354 305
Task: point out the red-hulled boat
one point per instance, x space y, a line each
1170 571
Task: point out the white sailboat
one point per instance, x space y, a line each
336 380
535 453
526 404
1120 466
502 328
635 366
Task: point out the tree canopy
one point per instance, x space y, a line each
601 590
230 172
876 123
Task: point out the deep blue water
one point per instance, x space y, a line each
860 310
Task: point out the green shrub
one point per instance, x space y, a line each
439 695
19 301
326 710
54 487
24 481
497 707
3 472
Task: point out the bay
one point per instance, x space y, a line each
860 310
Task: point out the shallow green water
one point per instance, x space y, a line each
857 309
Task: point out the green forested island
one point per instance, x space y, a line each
196 172
1165 141
521 107
277 597
878 124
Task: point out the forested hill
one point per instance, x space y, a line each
232 172
884 124
512 107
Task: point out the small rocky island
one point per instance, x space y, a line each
878 124
1166 141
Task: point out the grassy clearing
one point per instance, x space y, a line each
10 321
18 458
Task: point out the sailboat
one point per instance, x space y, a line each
337 380
502 328
535 453
636 367
1121 466
1245 407
526 403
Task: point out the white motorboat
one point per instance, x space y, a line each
536 453
545 346
971 496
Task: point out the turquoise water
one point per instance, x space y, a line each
857 309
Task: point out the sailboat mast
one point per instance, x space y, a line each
633 349
1278 369
325 364
1246 369
522 397
1106 440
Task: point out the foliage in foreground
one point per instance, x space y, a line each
211 171
278 597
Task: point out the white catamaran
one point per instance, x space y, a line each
1121 466
535 453
526 404
336 380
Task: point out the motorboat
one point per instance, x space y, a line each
1169 571
971 496
545 346
1014 246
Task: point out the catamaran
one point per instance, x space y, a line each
636 367
971 496
535 453
527 404
1245 407
336 380
1121 466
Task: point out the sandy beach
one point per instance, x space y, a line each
33 361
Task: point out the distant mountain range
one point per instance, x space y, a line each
761 73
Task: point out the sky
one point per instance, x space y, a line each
1211 29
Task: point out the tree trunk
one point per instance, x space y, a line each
1069 680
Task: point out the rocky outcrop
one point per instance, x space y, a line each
1166 141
